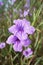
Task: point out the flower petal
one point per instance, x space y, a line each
27 52
25 13
22 36
30 29
12 29
17 21
26 42
10 39
17 47
2 45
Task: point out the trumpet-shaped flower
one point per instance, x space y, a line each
27 52
18 43
21 28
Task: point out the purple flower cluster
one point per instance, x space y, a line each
26 11
20 30
19 38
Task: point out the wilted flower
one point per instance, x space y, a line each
27 52
2 45
21 28
18 43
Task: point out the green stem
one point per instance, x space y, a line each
11 60
15 57
10 49
21 61
37 46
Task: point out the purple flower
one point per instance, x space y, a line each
17 47
27 52
18 43
26 42
27 5
1 3
2 45
21 28
25 13
20 31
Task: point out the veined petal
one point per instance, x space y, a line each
12 29
26 42
17 21
26 22
22 22
17 47
30 29
10 39
22 36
